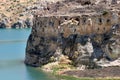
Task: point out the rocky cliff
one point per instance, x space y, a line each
84 38
79 37
19 13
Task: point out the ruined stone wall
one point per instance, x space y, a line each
68 33
82 24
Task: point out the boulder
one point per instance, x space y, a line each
28 23
17 25
2 25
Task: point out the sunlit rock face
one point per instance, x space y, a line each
83 38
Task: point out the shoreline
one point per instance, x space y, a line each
73 76
73 73
64 75
102 73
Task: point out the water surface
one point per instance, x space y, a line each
12 54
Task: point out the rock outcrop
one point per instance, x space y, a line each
84 38
18 13
81 41
13 14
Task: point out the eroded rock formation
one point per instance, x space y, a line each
85 39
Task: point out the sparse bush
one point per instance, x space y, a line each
14 0
104 13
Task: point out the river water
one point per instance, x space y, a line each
12 54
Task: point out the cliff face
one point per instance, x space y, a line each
83 38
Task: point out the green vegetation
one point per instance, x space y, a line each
56 71
62 67
104 13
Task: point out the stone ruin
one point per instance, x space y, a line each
85 39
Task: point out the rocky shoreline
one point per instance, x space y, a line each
17 25
104 73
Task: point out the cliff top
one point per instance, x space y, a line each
79 7
13 11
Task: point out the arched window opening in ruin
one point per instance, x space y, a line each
100 20
65 18
77 19
108 20
87 3
51 24
84 21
